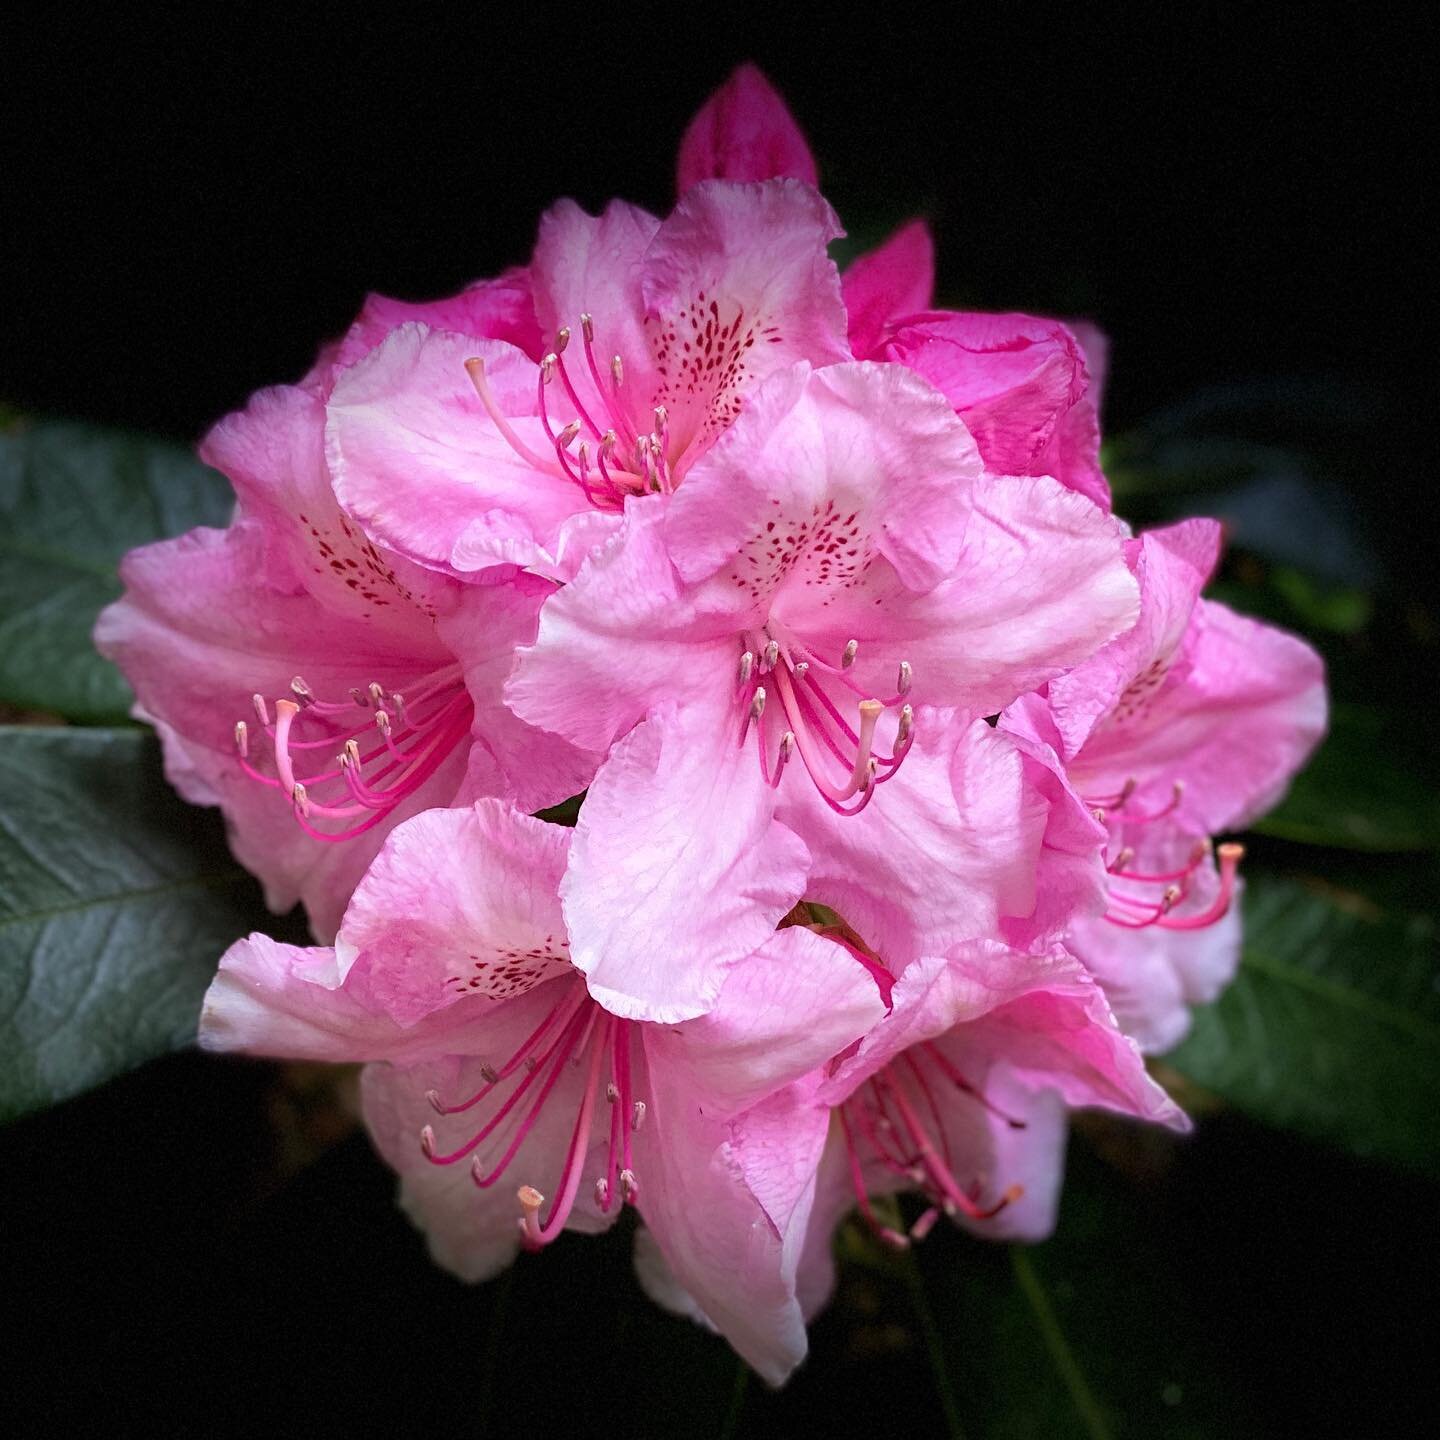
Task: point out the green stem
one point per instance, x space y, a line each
1084 1400
934 1347
738 1391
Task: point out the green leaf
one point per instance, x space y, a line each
1332 1027
73 500
1085 1337
1368 787
116 901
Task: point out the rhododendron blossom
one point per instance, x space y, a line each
1190 724
314 685
837 558
513 1105
462 453
809 593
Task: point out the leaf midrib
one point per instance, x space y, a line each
124 897
1340 995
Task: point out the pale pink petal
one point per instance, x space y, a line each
738 284
943 851
530 767
1234 730
822 466
722 1245
1041 585
1070 877
744 131
214 617
782 1012
458 903
1041 1017
263 1002
887 284
416 459
623 637
1171 566
273 453
1152 975
1020 384
591 265
678 868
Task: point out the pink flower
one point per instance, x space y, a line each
1027 388
388 676
1190 724
836 560
961 1094
514 1106
461 453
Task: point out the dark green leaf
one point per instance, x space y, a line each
1085 1337
1332 1026
116 901
73 500
1368 787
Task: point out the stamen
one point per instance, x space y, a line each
847 658
747 664
905 679
261 713
377 694
562 339
617 369
475 368
566 437
769 656
242 739
637 1115
587 327
301 690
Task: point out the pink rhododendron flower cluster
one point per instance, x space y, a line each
905 765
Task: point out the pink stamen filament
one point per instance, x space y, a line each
575 1155
572 1030
475 368
435 720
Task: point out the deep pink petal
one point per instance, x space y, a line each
1020 384
744 131
498 309
886 284
678 868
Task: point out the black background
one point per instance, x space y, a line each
192 203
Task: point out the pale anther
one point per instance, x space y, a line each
262 711
852 648
242 738
905 679
562 339
637 1114
587 326
747 664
